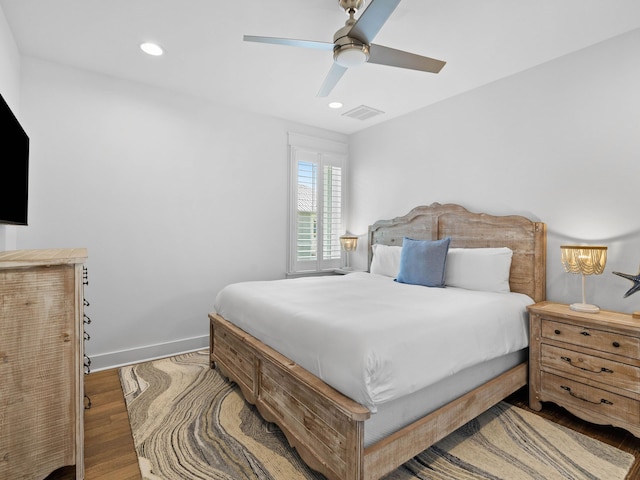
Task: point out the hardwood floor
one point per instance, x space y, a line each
108 445
110 454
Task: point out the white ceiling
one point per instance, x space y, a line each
481 40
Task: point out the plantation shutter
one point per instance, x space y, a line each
316 204
332 212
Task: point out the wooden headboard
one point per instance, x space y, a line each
527 239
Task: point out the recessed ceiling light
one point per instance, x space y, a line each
151 49
335 105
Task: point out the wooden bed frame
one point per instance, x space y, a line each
327 428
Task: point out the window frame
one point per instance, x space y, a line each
326 153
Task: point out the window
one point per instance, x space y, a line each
316 203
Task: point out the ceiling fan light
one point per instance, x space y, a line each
351 55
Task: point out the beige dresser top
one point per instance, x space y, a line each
49 256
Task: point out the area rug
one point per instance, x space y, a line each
190 423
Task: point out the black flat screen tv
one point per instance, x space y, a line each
14 168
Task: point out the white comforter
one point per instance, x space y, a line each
374 339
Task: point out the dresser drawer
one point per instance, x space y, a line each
584 397
601 340
601 370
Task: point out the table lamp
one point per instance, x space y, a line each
348 243
586 260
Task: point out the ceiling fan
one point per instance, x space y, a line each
352 43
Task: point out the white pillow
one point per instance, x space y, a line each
485 269
386 260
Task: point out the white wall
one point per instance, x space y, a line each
10 90
173 197
559 143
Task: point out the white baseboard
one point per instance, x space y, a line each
146 353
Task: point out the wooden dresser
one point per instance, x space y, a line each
41 362
588 363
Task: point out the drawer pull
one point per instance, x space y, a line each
616 344
602 370
585 333
556 331
602 400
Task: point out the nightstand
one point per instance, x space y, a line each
588 363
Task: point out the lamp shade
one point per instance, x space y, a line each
348 243
584 259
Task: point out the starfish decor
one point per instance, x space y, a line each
634 278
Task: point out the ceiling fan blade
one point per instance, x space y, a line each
372 19
330 81
290 42
399 58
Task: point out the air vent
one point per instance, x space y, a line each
362 113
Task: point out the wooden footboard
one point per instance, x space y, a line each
324 426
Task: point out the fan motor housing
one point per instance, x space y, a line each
350 53
348 5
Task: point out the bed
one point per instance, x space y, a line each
357 434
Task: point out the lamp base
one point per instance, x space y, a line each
584 307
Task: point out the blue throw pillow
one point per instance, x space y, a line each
422 262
